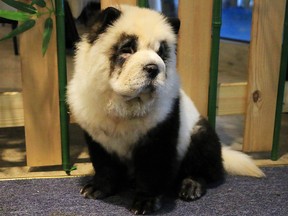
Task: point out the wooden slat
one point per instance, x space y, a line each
194 46
41 101
232 98
11 109
107 3
264 62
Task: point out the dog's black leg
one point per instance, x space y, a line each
202 164
155 163
149 190
110 172
144 204
155 172
102 185
191 189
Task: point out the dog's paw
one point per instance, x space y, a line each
191 189
145 205
91 192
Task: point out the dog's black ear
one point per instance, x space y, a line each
105 19
175 23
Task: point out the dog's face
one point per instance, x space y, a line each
137 69
141 50
134 49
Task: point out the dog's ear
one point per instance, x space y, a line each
105 19
175 23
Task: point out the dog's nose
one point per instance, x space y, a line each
152 70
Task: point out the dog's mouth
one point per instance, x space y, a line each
143 93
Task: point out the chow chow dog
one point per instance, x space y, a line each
142 130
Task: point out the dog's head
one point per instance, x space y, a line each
134 49
141 49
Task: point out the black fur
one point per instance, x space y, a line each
105 19
204 154
126 44
202 163
155 166
163 51
175 23
111 172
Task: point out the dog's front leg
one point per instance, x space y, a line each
154 174
110 172
149 190
145 203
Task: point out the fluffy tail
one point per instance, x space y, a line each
238 163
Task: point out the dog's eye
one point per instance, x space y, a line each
163 50
127 50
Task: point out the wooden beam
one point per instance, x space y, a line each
264 63
41 100
194 47
232 98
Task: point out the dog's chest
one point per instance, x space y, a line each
120 137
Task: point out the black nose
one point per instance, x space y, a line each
152 70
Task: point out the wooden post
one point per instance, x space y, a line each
107 3
194 47
264 64
40 97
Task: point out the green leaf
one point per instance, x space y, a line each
73 168
21 28
21 6
48 26
15 15
40 3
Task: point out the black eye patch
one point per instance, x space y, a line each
126 45
129 46
163 50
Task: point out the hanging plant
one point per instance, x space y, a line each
27 14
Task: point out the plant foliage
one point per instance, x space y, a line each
27 14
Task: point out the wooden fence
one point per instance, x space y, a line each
255 98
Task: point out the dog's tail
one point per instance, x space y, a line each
238 163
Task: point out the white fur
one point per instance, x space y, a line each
189 116
116 111
238 163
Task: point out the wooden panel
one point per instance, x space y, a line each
11 109
40 97
264 61
194 46
232 98
107 3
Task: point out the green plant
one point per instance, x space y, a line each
27 14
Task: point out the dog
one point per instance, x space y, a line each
142 130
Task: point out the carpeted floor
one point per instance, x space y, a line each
237 196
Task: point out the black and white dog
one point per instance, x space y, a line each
140 126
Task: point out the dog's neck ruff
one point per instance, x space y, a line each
119 129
